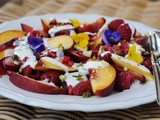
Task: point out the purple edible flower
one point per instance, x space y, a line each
109 37
36 45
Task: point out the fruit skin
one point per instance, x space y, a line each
52 75
82 87
10 35
142 40
94 27
3 71
125 31
77 56
45 25
26 28
32 85
113 25
6 45
103 80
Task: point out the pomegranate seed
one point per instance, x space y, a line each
25 59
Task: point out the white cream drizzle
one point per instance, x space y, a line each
23 50
56 29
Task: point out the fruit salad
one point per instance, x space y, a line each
75 58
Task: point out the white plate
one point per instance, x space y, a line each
137 95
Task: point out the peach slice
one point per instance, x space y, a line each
98 38
60 41
123 62
32 85
10 35
50 63
6 52
103 80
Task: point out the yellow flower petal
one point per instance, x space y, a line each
132 50
132 55
136 58
75 23
81 40
75 38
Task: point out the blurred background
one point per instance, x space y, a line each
145 11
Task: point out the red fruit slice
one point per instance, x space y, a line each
26 28
52 75
113 25
77 56
82 87
94 27
141 40
9 64
32 85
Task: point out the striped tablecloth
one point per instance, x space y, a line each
145 11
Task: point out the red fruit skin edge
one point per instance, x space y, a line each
3 71
106 91
32 85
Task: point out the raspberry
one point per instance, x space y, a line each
121 49
124 81
82 87
148 64
125 31
137 76
117 49
52 75
113 25
124 48
70 90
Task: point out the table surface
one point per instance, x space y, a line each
145 11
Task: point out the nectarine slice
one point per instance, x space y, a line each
10 35
7 52
50 63
103 80
32 85
123 62
60 41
